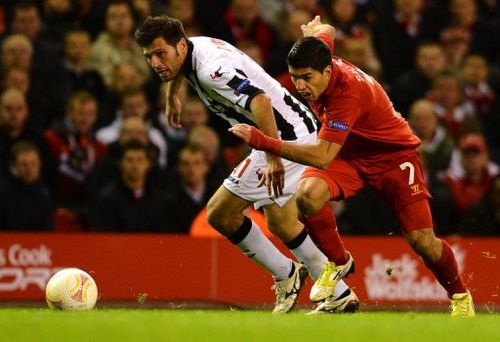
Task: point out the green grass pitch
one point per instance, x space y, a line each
227 325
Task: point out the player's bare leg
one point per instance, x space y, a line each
225 213
439 258
313 196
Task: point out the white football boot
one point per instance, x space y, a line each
287 290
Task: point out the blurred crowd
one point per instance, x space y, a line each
85 146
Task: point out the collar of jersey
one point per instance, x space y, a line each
187 66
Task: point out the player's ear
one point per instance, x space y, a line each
327 71
181 47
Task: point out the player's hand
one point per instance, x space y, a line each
173 111
274 176
311 28
244 132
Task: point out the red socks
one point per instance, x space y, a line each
446 271
322 227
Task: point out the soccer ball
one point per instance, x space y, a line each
71 289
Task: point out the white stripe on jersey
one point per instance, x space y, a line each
226 80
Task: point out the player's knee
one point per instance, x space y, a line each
215 216
423 242
307 202
222 220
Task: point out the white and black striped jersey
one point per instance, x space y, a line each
227 80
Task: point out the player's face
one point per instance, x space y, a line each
166 60
310 83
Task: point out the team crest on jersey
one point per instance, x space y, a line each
242 86
338 125
216 74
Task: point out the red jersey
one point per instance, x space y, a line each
356 113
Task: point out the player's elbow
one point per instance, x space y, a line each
261 100
322 163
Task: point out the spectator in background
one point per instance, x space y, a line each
90 15
126 78
26 20
207 138
45 88
454 111
252 50
415 83
437 145
45 63
143 8
14 128
134 104
456 43
115 45
190 191
360 53
185 11
25 202
398 33
483 218
18 78
468 183
292 32
194 113
348 24
490 10
131 203
484 38
242 21
59 17
80 76
75 149
476 77
313 7
107 168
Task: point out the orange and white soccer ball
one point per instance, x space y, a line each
71 289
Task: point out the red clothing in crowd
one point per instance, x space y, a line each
75 156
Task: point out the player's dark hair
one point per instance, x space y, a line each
309 52
170 29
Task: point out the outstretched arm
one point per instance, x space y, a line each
318 155
315 28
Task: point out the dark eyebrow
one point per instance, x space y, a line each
152 52
301 75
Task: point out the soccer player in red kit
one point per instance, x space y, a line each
363 141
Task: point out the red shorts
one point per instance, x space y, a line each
401 184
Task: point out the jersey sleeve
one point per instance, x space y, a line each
230 83
340 116
327 39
